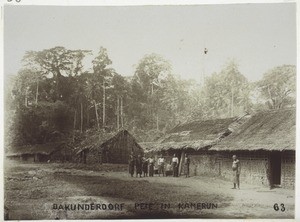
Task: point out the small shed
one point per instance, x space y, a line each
118 148
39 152
108 148
265 145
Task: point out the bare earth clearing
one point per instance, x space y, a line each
32 189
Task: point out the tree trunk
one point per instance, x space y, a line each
103 105
74 124
26 100
231 101
157 127
122 118
58 83
118 113
81 116
96 112
37 92
88 117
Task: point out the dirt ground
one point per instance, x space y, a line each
46 191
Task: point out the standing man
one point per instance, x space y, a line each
187 165
131 162
161 165
145 167
151 166
175 162
236 167
139 166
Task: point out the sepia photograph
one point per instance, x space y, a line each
149 111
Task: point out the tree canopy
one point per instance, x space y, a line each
54 95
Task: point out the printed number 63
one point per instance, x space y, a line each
276 207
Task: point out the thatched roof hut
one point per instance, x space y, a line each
92 141
39 152
43 149
195 135
269 130
100 147
118 148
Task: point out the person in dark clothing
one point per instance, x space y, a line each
145 167
175 162
187 165
131 163
138 166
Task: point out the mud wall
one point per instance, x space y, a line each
204 164
254 167
288 170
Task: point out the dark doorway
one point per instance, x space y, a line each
276 168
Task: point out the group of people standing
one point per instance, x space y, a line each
143 166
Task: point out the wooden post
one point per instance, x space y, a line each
180 163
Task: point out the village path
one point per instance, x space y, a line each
248 202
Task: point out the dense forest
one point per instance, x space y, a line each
54 97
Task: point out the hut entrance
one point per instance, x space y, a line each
276 168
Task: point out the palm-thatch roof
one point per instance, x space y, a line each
116 136
93 141
43 149
194 135
269 130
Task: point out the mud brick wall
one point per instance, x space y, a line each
253 168
288 170
204 164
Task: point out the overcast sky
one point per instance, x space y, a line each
258 36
